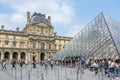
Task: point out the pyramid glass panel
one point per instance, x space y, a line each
99 39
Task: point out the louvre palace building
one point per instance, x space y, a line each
37 41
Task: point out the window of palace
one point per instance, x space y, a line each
46 31
55 46
34 44
14 44
14 37
6 43
64 41
49 32
21 44
37 30
60 46
34 30
49 46
6 37
42 46
42 31
59 41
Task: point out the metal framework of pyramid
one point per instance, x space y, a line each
99 39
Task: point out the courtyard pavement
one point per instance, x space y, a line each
58 73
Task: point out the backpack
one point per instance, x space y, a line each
82 62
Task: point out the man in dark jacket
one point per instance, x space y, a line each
105 66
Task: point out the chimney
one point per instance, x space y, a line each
28 16
17 29
49 18
2 27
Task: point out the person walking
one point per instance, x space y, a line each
34 64
13 64
105 66
21 65
51 64
46 65
1 64
95 65
4 65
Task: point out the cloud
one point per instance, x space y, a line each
60 11
4 17
12 21
74 30
17 18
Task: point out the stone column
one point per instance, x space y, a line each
46 56
48 43
19 58
11 45
37 44
11 57
29 56
39 56
2 55
26 56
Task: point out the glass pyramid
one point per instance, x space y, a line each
99 39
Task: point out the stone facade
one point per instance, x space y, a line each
37 41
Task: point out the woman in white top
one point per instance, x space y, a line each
95 65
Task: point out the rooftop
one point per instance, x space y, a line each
38 17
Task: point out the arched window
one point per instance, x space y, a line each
42 46
15 55
22 56
42 55
6 55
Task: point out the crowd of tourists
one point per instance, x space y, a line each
23 63
109 67
13 64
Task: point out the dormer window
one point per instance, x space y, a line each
33 31
42 31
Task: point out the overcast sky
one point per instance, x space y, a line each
68 16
